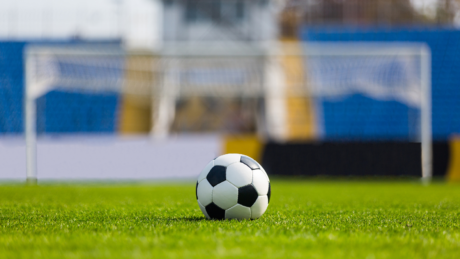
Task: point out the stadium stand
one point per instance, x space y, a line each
385 124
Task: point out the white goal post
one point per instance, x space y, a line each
240 70
423 99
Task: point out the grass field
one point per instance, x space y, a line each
306 218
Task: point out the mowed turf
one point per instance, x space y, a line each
305 219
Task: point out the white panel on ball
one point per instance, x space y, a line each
204 192
263 170
238 212
228 159
259 207
225 195
265 173
205 171
260 182
239 174
203 209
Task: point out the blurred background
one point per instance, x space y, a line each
150 89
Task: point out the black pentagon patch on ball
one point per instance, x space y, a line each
216 175
196 190
247 195
251 163
269 192
214 211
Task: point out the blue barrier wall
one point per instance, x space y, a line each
11 87
358 117
390 120
57 112
64 112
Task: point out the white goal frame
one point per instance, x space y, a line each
264 52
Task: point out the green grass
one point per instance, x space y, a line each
305 219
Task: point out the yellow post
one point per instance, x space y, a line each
249 145
135 110
300 117
453 171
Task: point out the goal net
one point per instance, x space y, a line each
282 92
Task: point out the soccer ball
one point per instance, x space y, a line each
233 186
